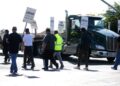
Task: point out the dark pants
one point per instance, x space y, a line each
5 52
117 59
48 55
83 55
28 55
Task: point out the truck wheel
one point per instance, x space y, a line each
110 59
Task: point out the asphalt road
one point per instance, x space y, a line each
99 74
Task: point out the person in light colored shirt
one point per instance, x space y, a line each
28 51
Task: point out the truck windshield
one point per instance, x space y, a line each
95 23
99 24
76 22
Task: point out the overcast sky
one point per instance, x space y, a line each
12 11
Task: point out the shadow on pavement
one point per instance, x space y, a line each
92 70
86 70
52 70
31 69
32 77
36 70
5 63
65 69
14 75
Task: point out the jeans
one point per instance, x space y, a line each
58 55
117 59
13 68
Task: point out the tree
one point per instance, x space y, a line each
112 16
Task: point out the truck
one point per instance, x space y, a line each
103 40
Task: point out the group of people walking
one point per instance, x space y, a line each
52 46
12 44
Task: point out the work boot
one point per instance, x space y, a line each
77 67
45 69
86 68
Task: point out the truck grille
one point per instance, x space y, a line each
111 43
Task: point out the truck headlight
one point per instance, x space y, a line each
99 47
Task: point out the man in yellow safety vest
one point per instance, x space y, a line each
58 48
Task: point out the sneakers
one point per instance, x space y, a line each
113 68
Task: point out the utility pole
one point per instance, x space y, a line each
66 25
110 6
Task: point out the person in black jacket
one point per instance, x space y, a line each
48 49
6 47
84 48
15 41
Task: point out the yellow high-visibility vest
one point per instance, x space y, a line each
58 42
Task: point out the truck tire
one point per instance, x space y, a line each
110 59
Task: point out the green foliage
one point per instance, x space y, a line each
112 16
